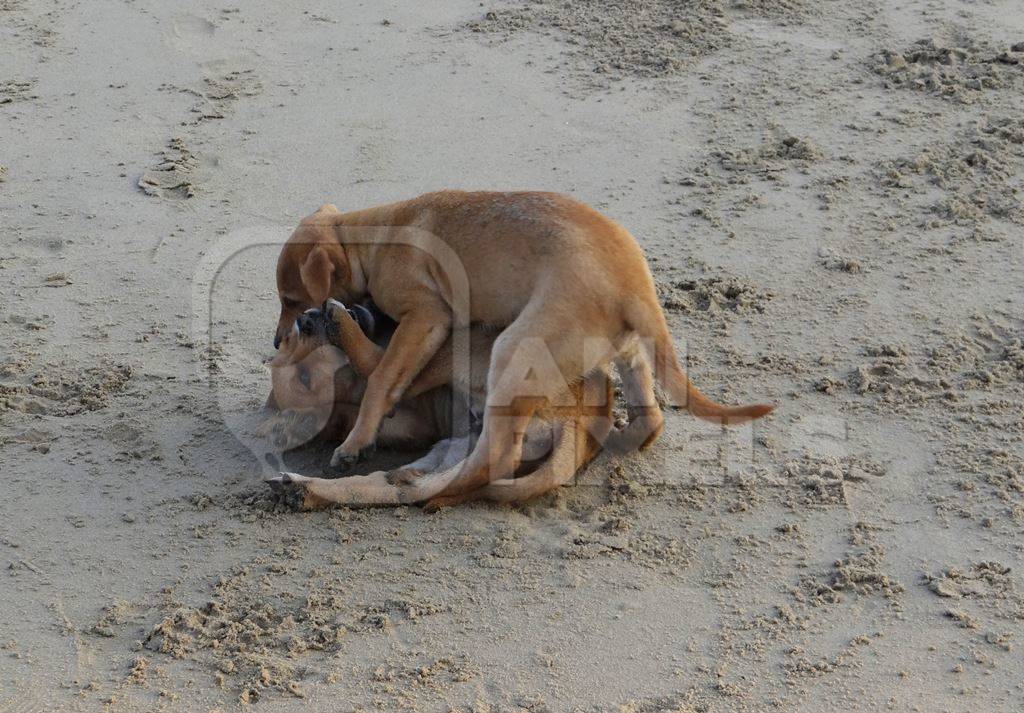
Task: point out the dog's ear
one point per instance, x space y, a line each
323 267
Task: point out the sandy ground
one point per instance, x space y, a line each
829 194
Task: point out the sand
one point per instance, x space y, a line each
830 198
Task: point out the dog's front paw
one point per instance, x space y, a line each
333 310
355 316
343 459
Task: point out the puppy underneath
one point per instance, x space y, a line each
322 369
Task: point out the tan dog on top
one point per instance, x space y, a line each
570 286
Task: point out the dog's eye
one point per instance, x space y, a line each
304 378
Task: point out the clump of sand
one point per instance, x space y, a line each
770 156
861 571
980 580
256 635
399 679
989 589
992 469
248 639
888 371
63 389
728 180
984 356
115 617
823 480
840 263
715 295
976 171
172 175
639 38
14 91
647 38
218 93
960 70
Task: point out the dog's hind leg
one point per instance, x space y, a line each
497 453
645 418
575 442
356 490
556 470
443 455
413 483
534 363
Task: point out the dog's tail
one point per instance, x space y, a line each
644 316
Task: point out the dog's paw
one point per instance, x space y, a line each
342 459
285 480
333 310
292 489
357 315
288 487
403 476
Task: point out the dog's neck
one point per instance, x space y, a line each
358 282
361 234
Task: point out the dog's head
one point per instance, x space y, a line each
309 371
312 376
312 266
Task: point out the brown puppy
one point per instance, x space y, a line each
318 378
322 370
570 286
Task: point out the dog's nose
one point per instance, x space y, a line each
277 341
307 321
